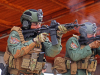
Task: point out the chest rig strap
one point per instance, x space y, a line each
19 30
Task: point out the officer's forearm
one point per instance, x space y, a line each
80 53
51 50
21 49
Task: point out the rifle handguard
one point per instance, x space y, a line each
62 30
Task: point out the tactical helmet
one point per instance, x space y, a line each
32 15
89 28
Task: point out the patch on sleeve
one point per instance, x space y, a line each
14 40
73 45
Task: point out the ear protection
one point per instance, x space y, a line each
26 24
83 32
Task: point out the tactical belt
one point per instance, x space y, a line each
87 64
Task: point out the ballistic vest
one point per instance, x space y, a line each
27 63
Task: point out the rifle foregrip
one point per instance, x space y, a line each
54 40
53 35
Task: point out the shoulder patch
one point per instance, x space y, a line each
14 40
73 45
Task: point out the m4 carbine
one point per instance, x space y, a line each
52 29
86 41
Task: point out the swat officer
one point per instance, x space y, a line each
25 53
81 51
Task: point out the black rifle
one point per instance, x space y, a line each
52 29
86 41
72 25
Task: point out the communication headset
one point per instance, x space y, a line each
83 31
26 24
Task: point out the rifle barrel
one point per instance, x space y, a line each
70 25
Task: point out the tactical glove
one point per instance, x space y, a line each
41 38
95 44
62 30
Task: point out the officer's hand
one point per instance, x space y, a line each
62 30
95 44
41 38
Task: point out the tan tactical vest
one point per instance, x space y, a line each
27 63
62 64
